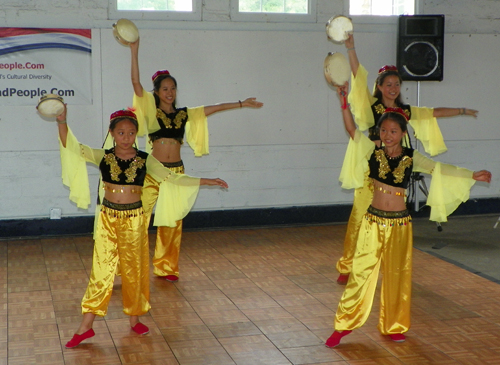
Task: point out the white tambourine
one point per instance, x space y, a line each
338 28
125 32
50 105
337 69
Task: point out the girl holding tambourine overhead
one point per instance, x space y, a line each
385 239
121 236
167 125
367 109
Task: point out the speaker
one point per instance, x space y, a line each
420 47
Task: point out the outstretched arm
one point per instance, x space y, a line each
349 125
136 80
212 182
351 53
249 103
63 127
452 112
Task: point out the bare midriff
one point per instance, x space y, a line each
167 150
388 198
122 194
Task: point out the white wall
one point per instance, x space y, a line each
289 152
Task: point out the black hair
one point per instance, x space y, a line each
157 83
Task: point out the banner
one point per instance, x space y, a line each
38 61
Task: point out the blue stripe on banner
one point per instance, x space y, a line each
28 47
38 41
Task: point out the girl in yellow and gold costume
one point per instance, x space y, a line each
121 236
166 125
385 237
367 109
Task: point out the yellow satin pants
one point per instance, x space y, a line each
362 199
386 244
168 239
120 240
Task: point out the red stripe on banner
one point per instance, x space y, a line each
10 32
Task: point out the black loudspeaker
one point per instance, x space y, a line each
420 47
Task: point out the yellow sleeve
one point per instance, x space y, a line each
450 186
74 169
145 110
177 193
361 100
355 163
427 130
197 130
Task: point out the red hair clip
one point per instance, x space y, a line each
388 68
159 73
397 110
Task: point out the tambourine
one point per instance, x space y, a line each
50 105
125 32
338 28
337 69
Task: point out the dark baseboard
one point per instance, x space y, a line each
224 219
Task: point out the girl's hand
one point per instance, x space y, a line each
349 42
214 182
61 118
342 92
471 112
251 103
482 175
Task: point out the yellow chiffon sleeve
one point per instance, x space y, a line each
355 166
427 130
450 186
145 110
74 169
361 100
197 130
177 193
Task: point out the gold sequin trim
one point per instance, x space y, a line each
121 189
379 108
115 170
131 172
179 117
122 211
383 168
177 167
399 172
388 214
397 193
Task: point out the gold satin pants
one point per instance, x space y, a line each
362 199
168 239
120 240
384 243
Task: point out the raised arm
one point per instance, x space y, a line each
351 53
247 103
136 80
452 112
63 127
349 125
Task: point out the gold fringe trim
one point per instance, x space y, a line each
122 213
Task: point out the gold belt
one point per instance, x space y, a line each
121 189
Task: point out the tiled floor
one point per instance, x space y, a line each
256 296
